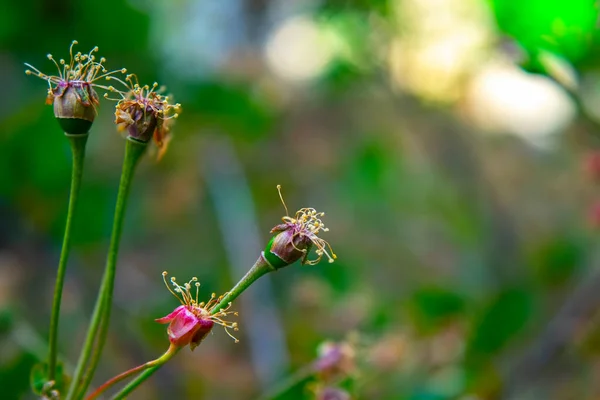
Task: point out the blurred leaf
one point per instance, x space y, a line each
505 316
14 375
564 27
379 6
6 320
432 307
39 377
557 260
231 108
40 383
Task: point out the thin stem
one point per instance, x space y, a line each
260 268
159 362
295 379
98 327
78 150
154 363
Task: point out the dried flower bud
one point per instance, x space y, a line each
331 393
73 94
295 237
192 321
143 112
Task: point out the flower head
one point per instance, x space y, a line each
192 321
296 236
72 90
143 112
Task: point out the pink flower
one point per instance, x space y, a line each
186 327
190 322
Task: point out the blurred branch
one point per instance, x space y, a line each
577 309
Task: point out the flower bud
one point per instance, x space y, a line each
286 247
144 113
192 321
295 237
75 106
73 96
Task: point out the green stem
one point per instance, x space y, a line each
295 379
260 268
78 150
98 328
154 363
159 362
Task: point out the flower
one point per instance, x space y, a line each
331 393
73 94
335 360
143 112
295 237
192 321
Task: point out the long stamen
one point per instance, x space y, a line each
73 43
55 63
164 275
106 75
282 202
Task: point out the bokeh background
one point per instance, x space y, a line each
450 142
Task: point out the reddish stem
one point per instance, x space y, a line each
119 378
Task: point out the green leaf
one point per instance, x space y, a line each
432 307
504 317
41 385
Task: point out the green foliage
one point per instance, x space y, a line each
556 261
433 307
39 379
231 108
500 321
563 27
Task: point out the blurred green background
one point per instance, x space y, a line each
448 142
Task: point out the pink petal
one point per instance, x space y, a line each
172 316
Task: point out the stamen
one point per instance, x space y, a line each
281 198
55 63
73 43
164 275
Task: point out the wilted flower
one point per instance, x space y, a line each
143 112
192 321
296 236
335 360
73 95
